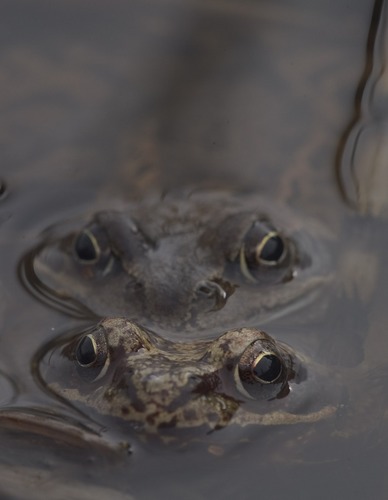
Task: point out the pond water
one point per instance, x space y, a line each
106 102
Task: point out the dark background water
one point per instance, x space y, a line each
104 101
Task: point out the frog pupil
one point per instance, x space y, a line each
273 249
85 248
86 352
267 368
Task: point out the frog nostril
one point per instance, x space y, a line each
210 291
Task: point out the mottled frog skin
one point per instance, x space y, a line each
204 261
127 378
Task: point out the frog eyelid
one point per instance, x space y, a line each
109 266
244 266
104 369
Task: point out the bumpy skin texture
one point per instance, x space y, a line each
139 381
179 264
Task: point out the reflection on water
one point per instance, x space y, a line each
363 151
103 103
44 450
8 389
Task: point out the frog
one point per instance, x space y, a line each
133 381
76 141
197 261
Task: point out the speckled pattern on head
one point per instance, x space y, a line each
161 387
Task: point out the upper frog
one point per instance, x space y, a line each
128 378
203 261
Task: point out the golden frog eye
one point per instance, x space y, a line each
267 367
263 247
86 352
271 250
91 245
261 372
86 247
92 356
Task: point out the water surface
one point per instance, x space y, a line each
105 102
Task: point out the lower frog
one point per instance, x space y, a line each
132 380
203 261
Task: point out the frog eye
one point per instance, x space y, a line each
86 247
267 368
261 372
91 356
263 247
86 352
271 250
91 245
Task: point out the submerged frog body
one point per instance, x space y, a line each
128 378
199 262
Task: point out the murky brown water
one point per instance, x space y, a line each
104 102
